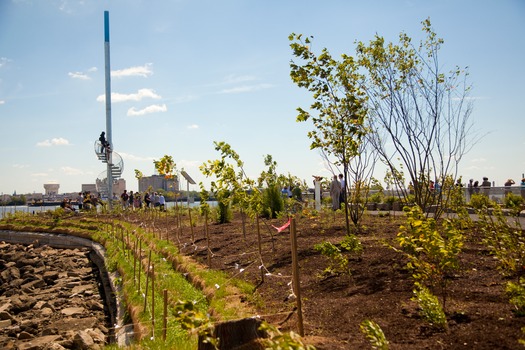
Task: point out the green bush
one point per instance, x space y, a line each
374 334
431 309
376 198
224 213
513 201
338 262
479 201
516 293
391 199
273 202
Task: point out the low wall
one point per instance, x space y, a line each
123 334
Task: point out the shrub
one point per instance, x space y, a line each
338 261
432 251
479 201
273 202
376 197
513 201
430 307
391 199
516 293
505 239
224 213
374 334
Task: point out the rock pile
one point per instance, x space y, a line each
50 299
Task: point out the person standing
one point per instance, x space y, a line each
470 188
103 142
124 199
155 200
131 198
335 192
162 202
485 185
508 183
147 199
80 201
342 196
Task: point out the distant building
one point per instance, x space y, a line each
89 188
100 188
159 182
34 197
51 189
118 187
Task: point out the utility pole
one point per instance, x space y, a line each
109 151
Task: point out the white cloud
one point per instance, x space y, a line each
245 88
234 79
2 102
132 112
193 126
39 174
79 75
59 141
82 75
132 157
189 164
71 171
141 94
20 166
185 98
141 71
4 61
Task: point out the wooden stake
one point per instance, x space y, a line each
165 314
147 281
153 300
295 274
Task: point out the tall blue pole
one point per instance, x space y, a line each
108 110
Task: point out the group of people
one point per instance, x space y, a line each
137 200
292 192
84 200
338 191
473 186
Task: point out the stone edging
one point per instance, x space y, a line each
123 333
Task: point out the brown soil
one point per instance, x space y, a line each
379 287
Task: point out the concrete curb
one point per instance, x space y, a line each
123 333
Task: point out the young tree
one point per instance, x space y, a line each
339 109
419 114
272 198
360 174
165 166
227 187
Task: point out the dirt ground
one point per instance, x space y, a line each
379 287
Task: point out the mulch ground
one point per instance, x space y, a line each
379 287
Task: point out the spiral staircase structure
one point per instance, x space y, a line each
117 167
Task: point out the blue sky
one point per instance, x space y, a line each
186 73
